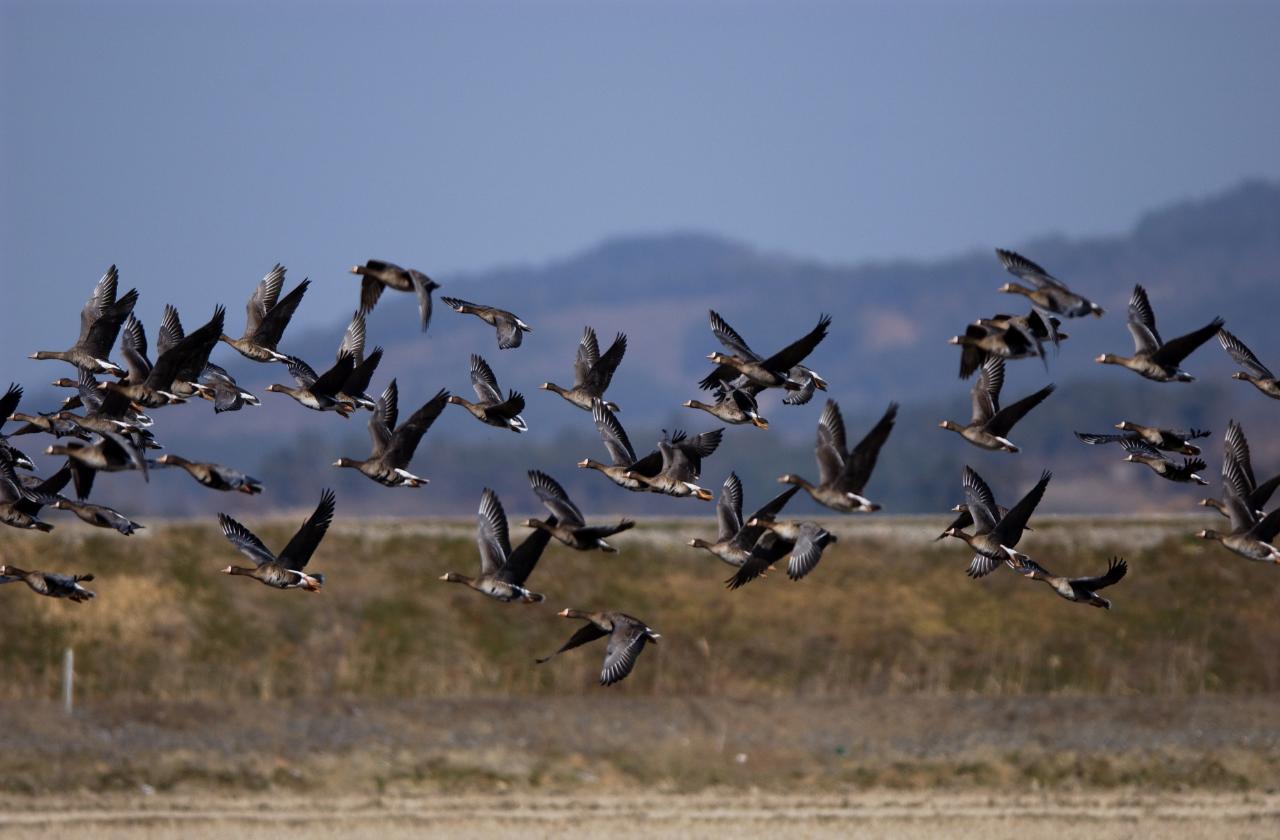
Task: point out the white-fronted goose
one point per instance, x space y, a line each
567 524
592 372
1153 358
353 389
1243 484
319 392
376 275
627 637
393 447
266 316
100 322
1050 293
964 519
773 372
990 425
286 570
9 454
152 386
490 408
681 465
49 584
988 338
734 536
20 504
807 379
621 453
843 474
214 476
1141 452
1251 537
808 540
212 382
1080 590
768 550
995 537
503 572
510 329
734 406
110 453
99 516
1167 440
1255 372
102 404
1036 327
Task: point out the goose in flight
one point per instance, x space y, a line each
377 275
283 571
503 572
1153 358
843 473
627 637
991 424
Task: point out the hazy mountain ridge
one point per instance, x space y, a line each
1199 258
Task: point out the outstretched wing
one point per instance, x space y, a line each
625 643
1243 355
1175 350
986 390
729 508
1142 322
404 440
524 557
796 352
1095 440
1024 269
555 499
587 633
383 420
492 538
1116 570
979 500
862 460
263 299
614 436
587 356
484 382
601 373
245 541
1007 417
729 337
1009 529
304 543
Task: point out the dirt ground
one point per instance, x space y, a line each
743 814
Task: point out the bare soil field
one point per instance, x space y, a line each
723 813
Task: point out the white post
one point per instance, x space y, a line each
68 678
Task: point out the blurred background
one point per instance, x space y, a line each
629 166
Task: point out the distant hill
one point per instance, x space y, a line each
1212 256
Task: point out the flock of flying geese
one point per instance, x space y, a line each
112 433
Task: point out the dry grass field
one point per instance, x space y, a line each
886 694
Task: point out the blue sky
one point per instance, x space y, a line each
196 144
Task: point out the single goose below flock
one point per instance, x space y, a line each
214 476
266 316
592 372
99 516
990 424
1079 590
503 572
393 447
808 540
843 473
1154 358
490 408
510 329
283 571
376 275
567 524
627 637
49 584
